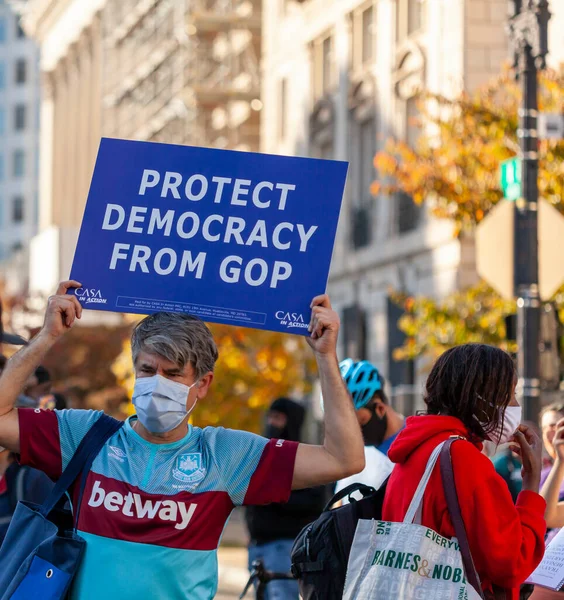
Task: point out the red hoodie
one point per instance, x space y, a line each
506 540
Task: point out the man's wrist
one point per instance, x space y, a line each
327 359
45 339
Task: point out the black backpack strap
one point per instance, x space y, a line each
82 460
365 490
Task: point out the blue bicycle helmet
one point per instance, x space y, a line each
362 379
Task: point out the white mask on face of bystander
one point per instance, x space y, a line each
504 431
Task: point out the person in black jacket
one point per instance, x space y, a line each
273 528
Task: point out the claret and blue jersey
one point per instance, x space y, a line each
153 514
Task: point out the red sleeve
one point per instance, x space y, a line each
272 479
506 541
40 445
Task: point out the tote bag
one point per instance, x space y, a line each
407 561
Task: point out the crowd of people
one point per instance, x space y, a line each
160 491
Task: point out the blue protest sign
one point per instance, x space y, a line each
232 237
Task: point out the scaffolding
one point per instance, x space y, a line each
183 71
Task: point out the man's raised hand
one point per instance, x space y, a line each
323 327
62 310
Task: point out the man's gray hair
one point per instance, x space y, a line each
182 339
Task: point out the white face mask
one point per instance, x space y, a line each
161 403
511 421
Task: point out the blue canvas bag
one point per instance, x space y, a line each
42 551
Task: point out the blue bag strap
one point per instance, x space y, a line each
115 426
82 459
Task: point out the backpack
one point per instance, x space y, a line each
320 553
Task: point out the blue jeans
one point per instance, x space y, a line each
276 557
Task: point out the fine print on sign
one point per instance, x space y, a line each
232 237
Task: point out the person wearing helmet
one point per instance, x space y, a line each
379 422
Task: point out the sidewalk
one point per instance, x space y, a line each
233 573
232 558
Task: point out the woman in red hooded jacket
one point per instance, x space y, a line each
470 392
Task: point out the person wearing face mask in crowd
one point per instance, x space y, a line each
379 422
273 528
552 481
160 491
470 393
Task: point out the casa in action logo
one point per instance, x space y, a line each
188 468
90 296
291 319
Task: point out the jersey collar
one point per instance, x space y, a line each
132 434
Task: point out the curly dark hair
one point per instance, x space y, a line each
473 382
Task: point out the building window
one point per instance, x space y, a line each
19 163
323 66
327 64
415 15
409 213
17 209
367 144
364 141
20 33
21 70
363 37
19 117
2 30
355 332
367 40
400 374
412 126
411 17
282 116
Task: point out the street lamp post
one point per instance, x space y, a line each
528 35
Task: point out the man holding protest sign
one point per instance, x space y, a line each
160 491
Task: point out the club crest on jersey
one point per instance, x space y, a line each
188 468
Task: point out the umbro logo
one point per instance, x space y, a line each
117 453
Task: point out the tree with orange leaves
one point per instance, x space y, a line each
454 171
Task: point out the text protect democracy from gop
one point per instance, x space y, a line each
187 224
